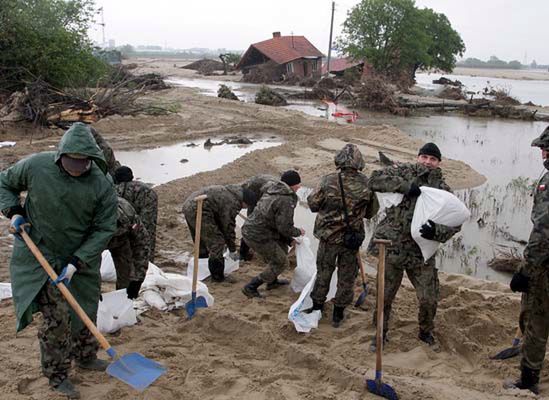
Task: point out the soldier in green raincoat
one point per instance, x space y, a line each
71 207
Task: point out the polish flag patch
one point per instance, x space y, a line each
541 188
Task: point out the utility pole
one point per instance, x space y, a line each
330 46
100 10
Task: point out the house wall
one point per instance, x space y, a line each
299 68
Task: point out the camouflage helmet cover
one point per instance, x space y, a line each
349 157
543 140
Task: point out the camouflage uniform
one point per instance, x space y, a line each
145 201
108 153
256 185
404 254
219 213
330 224
535 267
129 246
54 340
270 228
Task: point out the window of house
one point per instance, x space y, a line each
290 68
314 65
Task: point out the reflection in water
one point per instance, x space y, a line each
167 163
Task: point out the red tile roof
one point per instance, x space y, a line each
340 64
284 49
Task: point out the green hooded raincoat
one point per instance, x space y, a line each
69 216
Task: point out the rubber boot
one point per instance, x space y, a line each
68 389
316 306
426 337
93 365
277 283
529 379
245 253
250 290
217 269
338 316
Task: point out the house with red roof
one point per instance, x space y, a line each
287 56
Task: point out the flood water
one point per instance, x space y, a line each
536 91
164 164
498 148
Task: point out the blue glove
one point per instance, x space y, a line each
16 224
66 275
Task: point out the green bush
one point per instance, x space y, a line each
47 39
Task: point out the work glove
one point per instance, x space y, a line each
428 230
519 282
233 255
133 289
16 224
66 275
414 190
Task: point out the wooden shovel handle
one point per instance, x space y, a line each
361 266
65 292
380 299
198 227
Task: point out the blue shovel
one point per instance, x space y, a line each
200 301
134 369
376 386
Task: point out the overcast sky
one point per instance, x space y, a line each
509 29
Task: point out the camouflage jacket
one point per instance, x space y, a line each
129 227
223 205
273 216
326 200
142 198
108 153
396 225
536 253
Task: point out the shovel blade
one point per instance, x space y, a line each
362 297
507 353
193 304
136 370
381 389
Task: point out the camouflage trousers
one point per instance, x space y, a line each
151 229
273 253
212 241
536 325
58 346
424 278
122 256
329 257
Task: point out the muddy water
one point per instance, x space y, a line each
536 91
167 163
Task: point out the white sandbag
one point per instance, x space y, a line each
115 311
306 264
441 207
389 199
166 291
302 321
5 290
204 271
108 272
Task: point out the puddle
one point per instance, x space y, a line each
164 164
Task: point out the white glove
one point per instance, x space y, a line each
66 275
233 255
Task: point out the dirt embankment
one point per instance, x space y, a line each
246 349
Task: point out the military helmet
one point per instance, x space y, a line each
349 157
543 140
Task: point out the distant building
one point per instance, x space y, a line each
112 43
292 56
